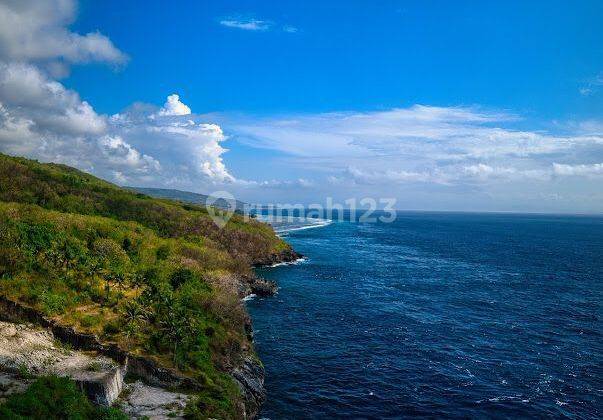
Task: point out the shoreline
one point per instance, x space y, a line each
250 374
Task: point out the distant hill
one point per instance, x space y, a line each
187 197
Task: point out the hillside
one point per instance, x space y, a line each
65 189
154 277
188 197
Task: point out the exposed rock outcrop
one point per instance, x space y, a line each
142 367
26 348
141 401
287 255
256 286
250 378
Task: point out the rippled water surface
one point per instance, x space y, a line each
437 315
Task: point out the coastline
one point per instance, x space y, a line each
250 373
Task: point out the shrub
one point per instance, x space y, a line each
52 303
89 321
53 397
111 328
181 276
163 252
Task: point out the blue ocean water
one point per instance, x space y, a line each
442 315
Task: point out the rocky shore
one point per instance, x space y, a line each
285 256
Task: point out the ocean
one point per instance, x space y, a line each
436 314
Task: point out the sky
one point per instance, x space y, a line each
464 106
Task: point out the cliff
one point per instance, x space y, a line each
144 280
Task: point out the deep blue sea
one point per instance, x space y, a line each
439 315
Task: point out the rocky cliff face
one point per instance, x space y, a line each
250 378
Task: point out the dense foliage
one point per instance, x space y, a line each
59 187
154 276
53 397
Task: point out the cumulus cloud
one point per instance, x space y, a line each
200 141
36 108
40 118
173 106
191 146
32 30
47 103
120 153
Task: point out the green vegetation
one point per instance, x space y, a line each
153 276
53 397
65 189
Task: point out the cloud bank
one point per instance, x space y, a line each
41 118
445 157
444 145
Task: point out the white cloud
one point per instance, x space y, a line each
250 24
247 24
593 169
40 118
585 91
33 30
189 145
30 99
592 85
173 106
418 144
201 142
431 157
391 176
120 153
487 172
52 107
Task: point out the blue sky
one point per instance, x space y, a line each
531 57
442 105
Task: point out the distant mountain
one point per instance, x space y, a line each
188 197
